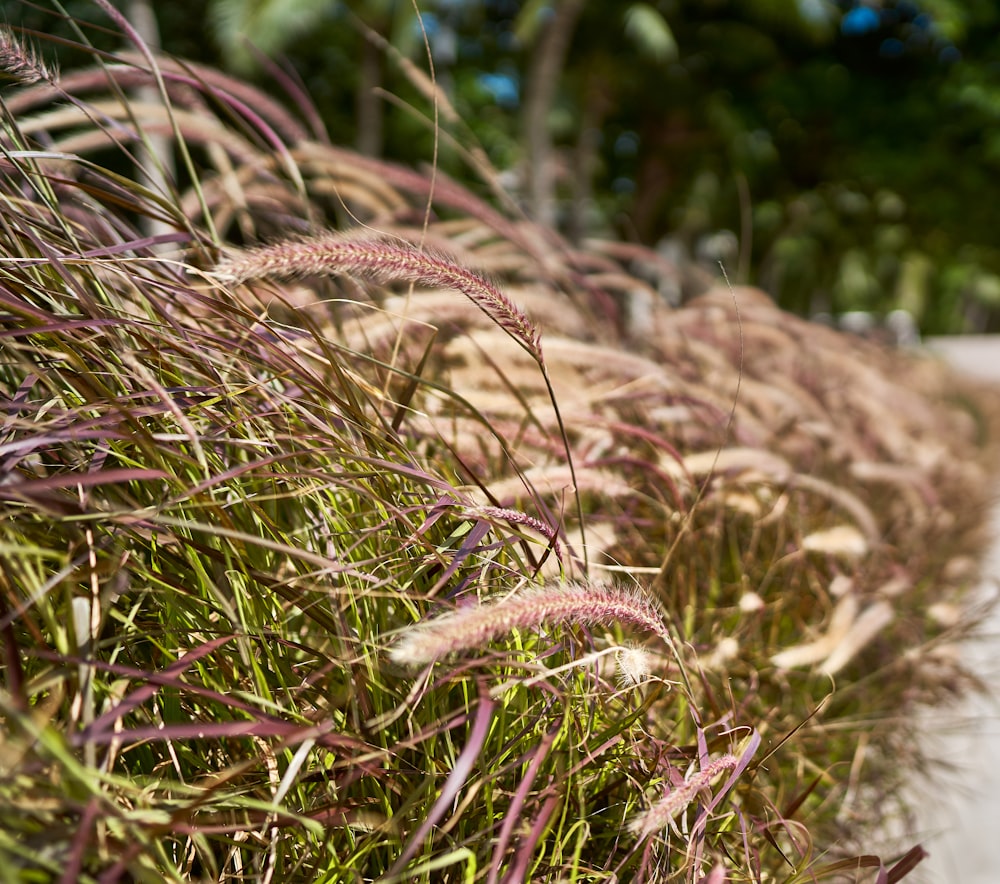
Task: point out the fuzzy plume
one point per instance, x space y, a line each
516 517
22 62
662 814
634 665
580 603
382 261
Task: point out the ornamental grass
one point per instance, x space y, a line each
357 529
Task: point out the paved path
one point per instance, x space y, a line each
961 812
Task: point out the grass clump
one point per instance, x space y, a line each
317 570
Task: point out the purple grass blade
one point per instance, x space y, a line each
265 727
79 846
470 544
456 779
144 693
513 815
519 871
119 475
910 860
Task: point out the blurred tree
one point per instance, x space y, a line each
551 26
248 30
842 153
839 142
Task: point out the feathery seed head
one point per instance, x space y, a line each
663 813
383 261
516 517
22 62
634 665
472 628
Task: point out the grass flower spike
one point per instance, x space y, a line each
21 62
383 261
663 813
516 517
472 628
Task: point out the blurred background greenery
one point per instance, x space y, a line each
842 155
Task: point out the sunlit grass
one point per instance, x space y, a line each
230 512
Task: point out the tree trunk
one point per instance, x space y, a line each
596 104
155 154
370 109
546 67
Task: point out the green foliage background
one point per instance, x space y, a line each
855 166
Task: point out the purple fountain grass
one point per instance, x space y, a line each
383 261
516 517
567 603
22 62
662 814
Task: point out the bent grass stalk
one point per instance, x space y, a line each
384 261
